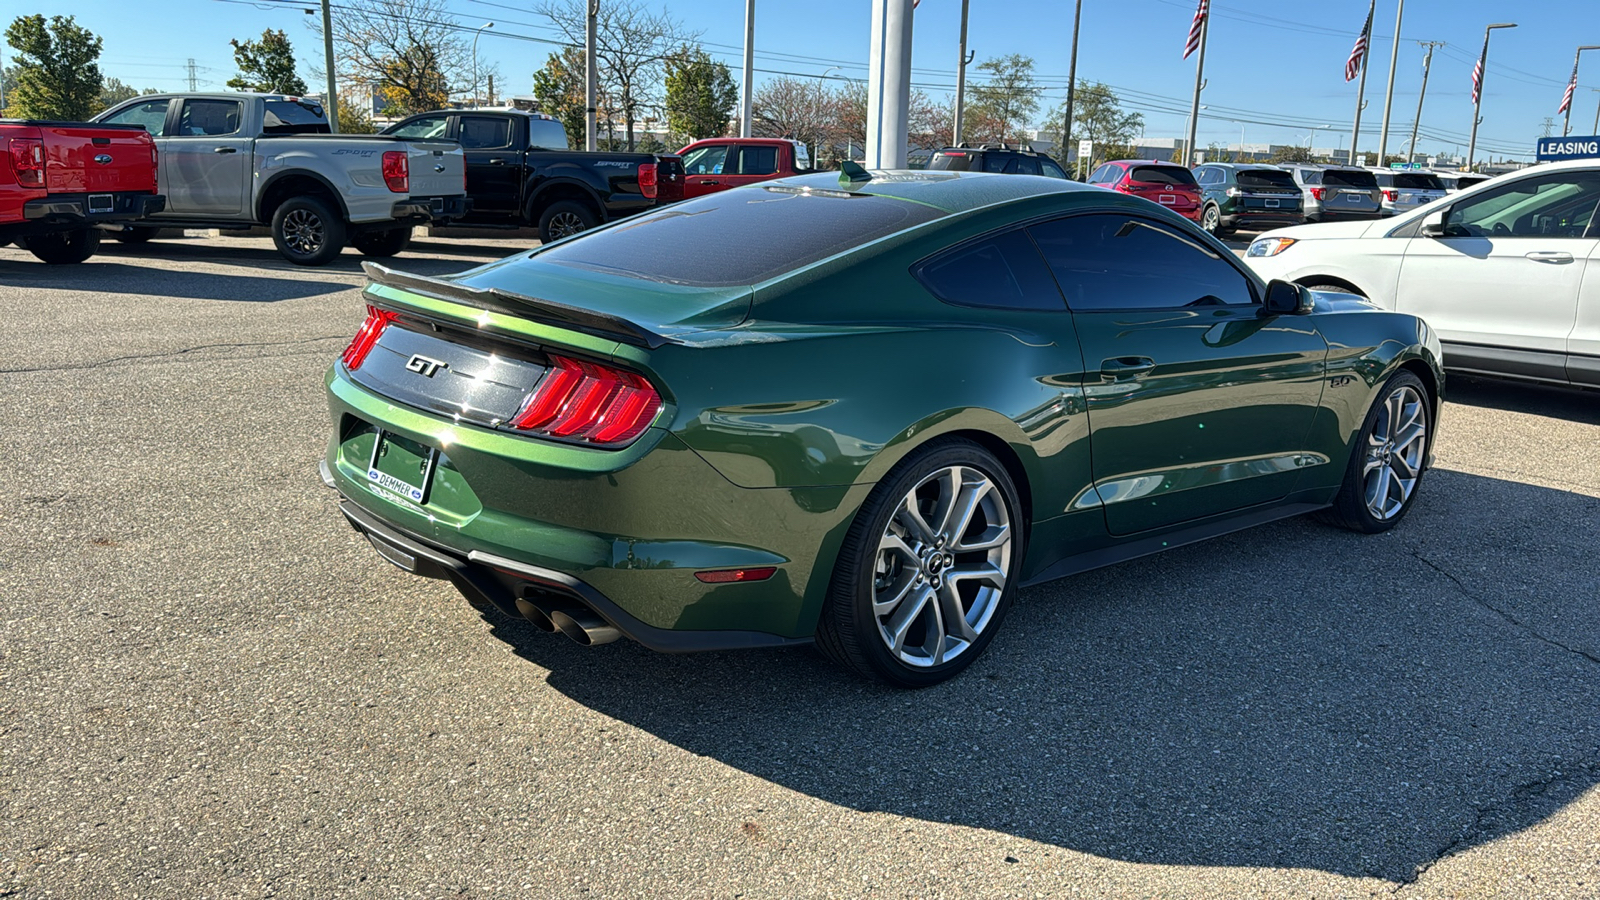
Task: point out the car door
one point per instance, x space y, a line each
206 160
1198 405
703 170
152 116
1500 285
1583 347
492 147
755 162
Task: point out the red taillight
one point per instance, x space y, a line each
155 170
589 402
1318 193
730 576
647 180
1391 196
397 171
367 337
1125 187
27 161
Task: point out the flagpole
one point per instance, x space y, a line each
1566 124
1388 94
1199 73
1361 87
1483 74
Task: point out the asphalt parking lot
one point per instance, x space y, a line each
211 687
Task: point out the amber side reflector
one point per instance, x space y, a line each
728 576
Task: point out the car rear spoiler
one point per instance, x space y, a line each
549 312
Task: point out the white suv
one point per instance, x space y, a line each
1507 272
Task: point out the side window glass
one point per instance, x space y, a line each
995 162
1106 262
422 129
1560 205
152 114
544 134
1026 165
705 161
758 161
1050 168
1002 271
485 133
209 118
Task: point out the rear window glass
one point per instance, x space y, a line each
1466 182
951 162
546 134
1418 181
738 237
1349 178
1265 178
484 133
293 117
1175 175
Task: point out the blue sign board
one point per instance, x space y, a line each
1555 149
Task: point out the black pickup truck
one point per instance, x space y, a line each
520 172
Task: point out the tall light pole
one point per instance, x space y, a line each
1388 95
746 102
961 78
332 102
1477 105
591 78
888 83
1596 110
1566 124
475 37
1427 63
1072 83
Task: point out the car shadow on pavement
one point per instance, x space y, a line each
116 278
1290 696
1568 403
262 256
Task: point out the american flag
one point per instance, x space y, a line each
1477 70
1200 14
1358 53
1566 101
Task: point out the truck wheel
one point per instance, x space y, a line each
65 247
565 218
136 234
382 243
307 232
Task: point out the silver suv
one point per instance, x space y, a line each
1337 193
1407 189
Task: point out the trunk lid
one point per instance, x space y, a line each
83 158
437 168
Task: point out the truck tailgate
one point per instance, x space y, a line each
438 168
88 158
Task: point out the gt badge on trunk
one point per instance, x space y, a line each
424 366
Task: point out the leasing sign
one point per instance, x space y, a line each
1555 149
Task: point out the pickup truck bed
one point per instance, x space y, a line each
58 180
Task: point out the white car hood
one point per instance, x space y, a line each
1332 230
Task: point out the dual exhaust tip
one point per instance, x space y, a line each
550 613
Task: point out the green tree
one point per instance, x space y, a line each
266 66
1003 106
558 89
1097 115
114 92
701 95
57 69
1292 153
353 118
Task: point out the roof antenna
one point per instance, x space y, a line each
851 174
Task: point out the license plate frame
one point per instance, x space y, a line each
1167 199
1272 204
102 203
394 484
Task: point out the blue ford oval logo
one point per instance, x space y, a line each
103 159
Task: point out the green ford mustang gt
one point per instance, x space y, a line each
858 411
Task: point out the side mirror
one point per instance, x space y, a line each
1285 298
1433 223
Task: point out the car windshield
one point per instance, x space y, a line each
959 161
1266 178
1418 181
738 237
1349 178
1173 175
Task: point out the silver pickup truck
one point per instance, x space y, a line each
241 160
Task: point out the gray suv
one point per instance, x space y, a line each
1337 193
1407 189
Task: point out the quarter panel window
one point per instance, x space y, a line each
1559 205
758 161
1120 262
1050 168
1002 271
152 114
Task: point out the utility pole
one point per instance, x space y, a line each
1477 104
1549 126
1596 110
1427 62
1199 85
591 78
747 89
1361 86
1388 95
961 78
491 88
1566 124
330 103
1072 83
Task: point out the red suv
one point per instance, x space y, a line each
1168 184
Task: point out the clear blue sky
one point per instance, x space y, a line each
1275 69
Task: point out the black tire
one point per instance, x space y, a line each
565 218
64 248
308 231
382 243
1211 220
1336 288
1351 509
136 234
850 633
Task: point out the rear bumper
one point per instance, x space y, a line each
59 212
1343 215
420 210
1256 219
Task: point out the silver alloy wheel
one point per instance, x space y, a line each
1394 453
941 566
303 231
1211 218
565 224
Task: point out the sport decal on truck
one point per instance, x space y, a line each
348 152
620 165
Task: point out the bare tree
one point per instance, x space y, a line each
632 45
414 53
800 109
928 127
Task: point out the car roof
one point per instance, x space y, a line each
218 95
953 192
1244 165
1148 162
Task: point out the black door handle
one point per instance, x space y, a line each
224 149
1126 367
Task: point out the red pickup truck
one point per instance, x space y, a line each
716 164
58 180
